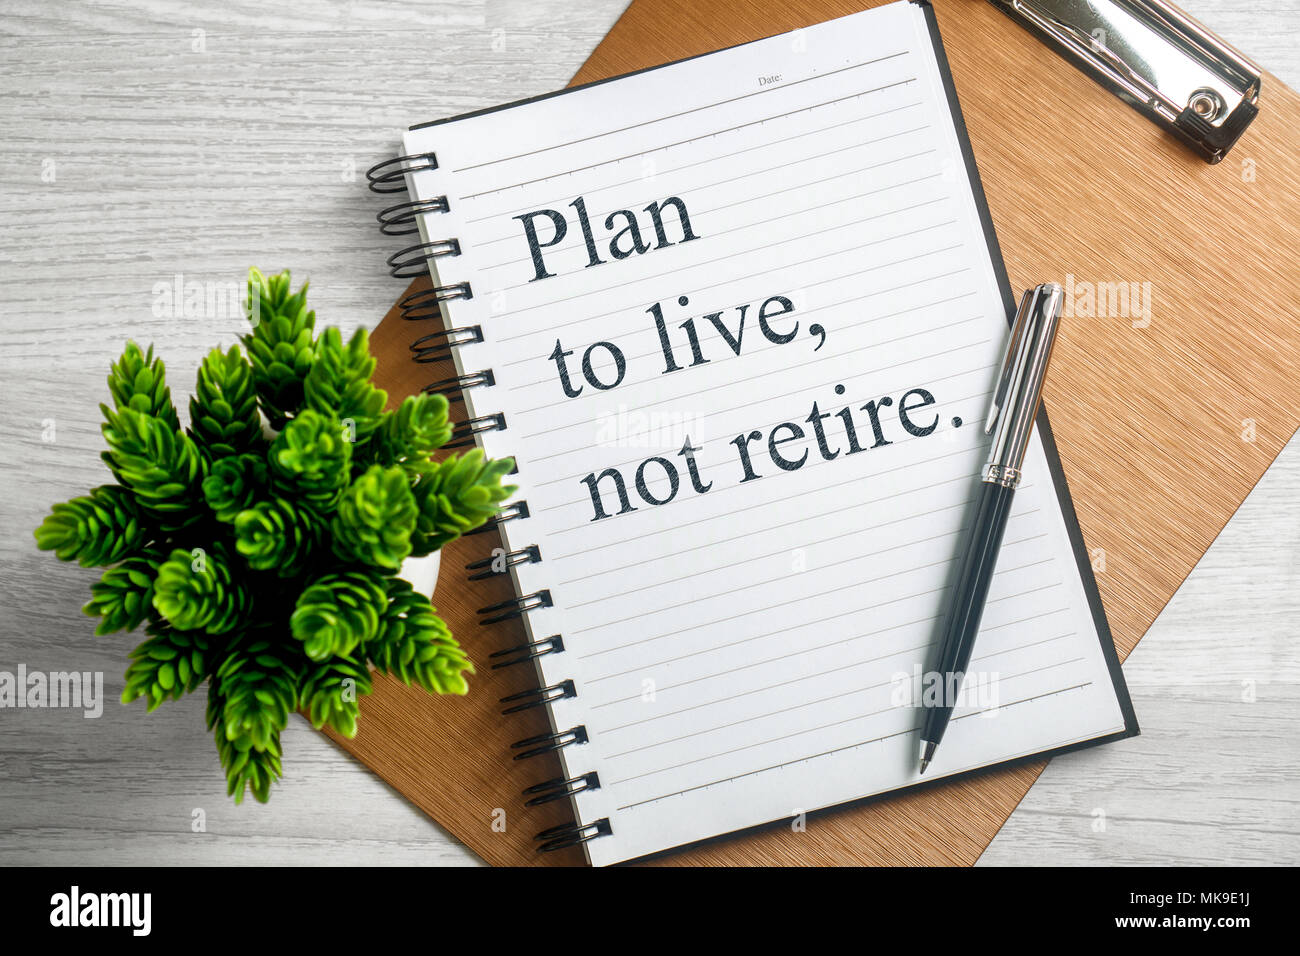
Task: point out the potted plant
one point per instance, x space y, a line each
265 548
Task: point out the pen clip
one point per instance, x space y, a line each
1018 327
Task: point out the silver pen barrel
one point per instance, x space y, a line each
1019 390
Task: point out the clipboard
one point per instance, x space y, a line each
1164 417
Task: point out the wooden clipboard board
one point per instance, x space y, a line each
1163 426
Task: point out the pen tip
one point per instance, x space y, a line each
927 753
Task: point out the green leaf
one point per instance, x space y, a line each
376 515
339 383
234 484
338 613
415 646
160 465
457 495
123 597
167 665
311 459
277 536
99 529
247 768
137 380
195 590
280 346
331 693
409 435
224 419
253 692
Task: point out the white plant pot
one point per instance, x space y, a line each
422 573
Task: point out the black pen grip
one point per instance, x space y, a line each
969 592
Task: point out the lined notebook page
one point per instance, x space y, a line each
745 650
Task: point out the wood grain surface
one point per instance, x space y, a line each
147 139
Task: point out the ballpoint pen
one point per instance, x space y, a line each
1011 420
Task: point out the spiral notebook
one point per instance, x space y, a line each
737 320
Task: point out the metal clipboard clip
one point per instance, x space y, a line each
1157 59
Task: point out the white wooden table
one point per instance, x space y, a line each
148 144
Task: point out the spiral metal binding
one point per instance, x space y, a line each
414 260
390 175
421 305
539 697
453 389
516 607
572 834
512 512
426 351
559 788
462 433
401 219
498 564
549 743
523 653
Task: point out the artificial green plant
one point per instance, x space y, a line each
265 560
